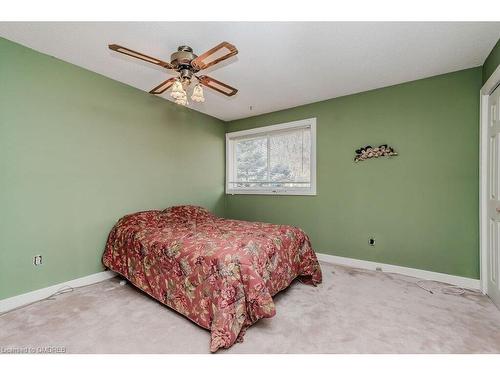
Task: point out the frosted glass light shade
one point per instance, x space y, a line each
198 94
178 92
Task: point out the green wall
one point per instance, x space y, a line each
421 206
491 62
78 151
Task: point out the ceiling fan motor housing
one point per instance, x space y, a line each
181 59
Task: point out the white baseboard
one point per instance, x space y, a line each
463 282
37 295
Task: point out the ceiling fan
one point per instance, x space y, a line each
187 64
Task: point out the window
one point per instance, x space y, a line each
278 159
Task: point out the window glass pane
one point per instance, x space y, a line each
251 161
290 158
271 161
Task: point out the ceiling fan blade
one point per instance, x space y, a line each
217 85
138 55
215 55
162 87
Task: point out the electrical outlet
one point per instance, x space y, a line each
371 241
37 260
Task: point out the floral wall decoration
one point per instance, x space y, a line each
369 152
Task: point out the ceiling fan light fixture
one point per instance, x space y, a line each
198 94
179 94
178 91
180 97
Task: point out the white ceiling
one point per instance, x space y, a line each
279 65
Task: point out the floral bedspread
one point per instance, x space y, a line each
219 273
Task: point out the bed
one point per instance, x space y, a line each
219 273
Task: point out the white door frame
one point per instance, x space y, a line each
490 85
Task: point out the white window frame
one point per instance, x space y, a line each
264 131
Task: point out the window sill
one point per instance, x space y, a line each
268 192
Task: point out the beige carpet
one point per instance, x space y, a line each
353 311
